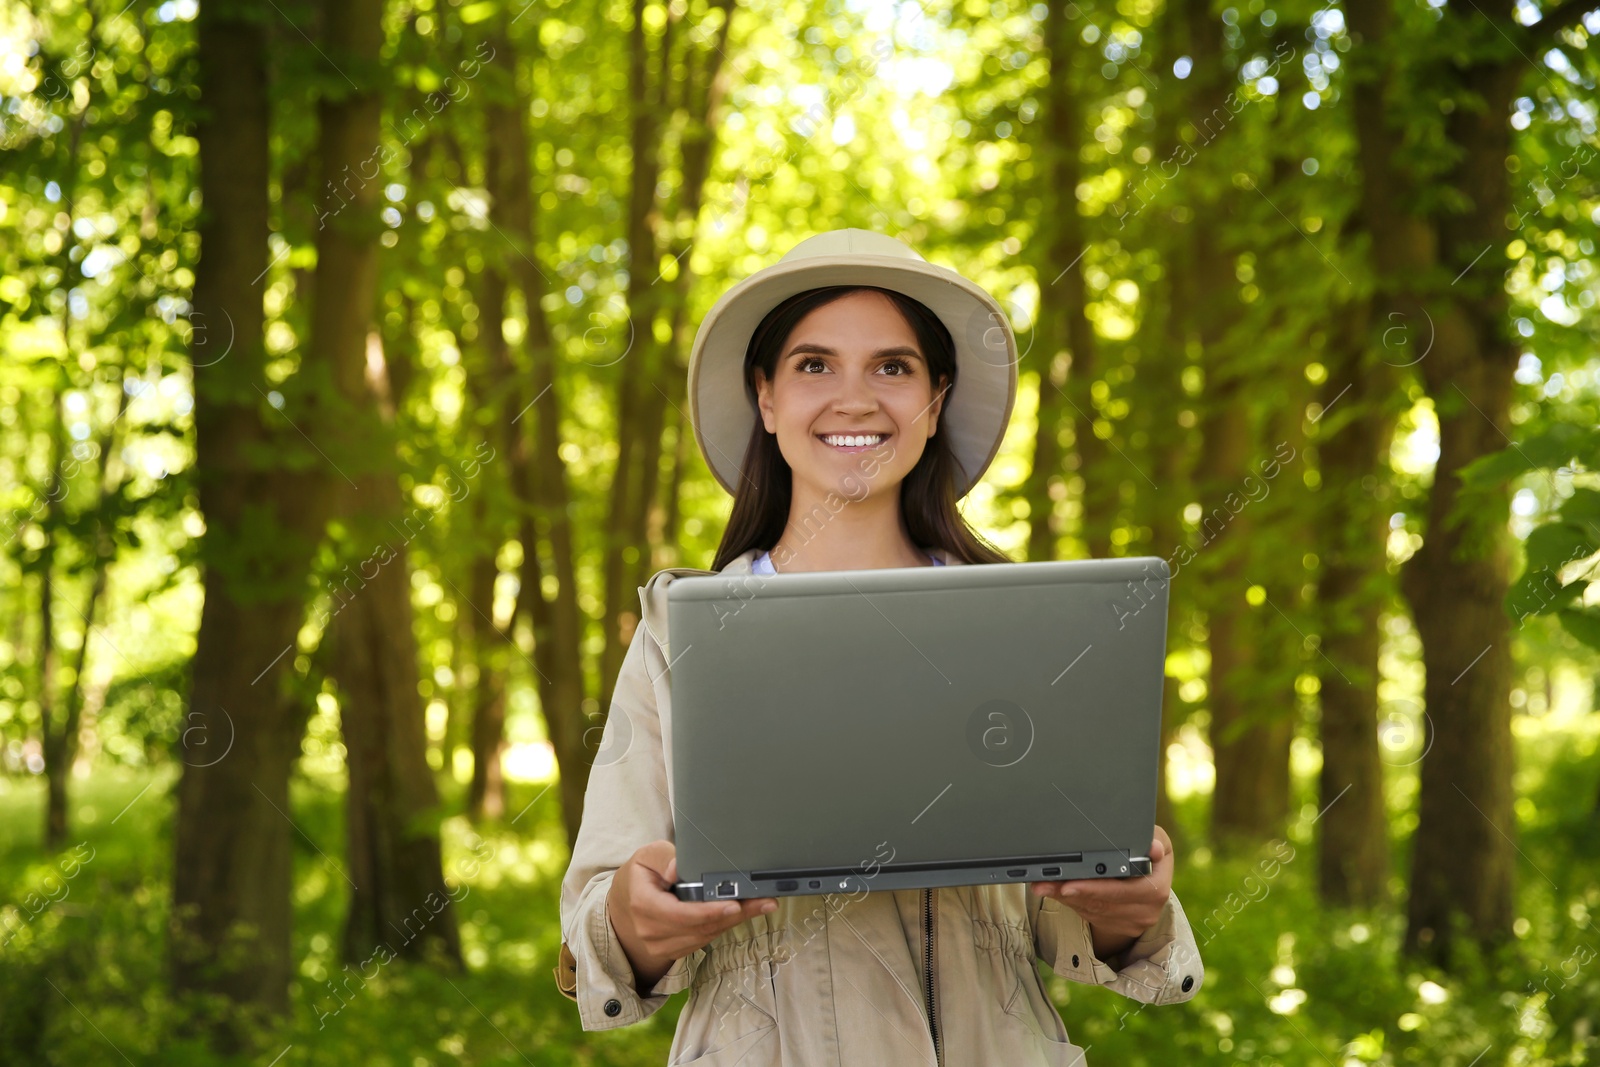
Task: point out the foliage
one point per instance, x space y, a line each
1287 981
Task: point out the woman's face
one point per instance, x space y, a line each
851 368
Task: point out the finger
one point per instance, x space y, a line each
1104 892
1166 842
706 915
725 915
1158 850
656 857
1062 891
749 909
669 909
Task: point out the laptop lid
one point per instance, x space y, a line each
917 726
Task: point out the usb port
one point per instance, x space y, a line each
1050 872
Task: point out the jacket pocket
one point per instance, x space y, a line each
742 1051
1061 1053
728 1018
1032 1009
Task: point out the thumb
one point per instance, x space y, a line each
659 858
671 872
1158 850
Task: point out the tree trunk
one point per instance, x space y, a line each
1282 622
61 749
1354 432
486 797
1164 410
52 738
233 863
670 551
538 473
1063 334
60 745
1463 856
642 402
398 900
643 363
492 386
705 89
1463 860
1250 749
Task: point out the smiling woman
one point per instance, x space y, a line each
849 383
852 335
871 402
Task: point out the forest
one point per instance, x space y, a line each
343 350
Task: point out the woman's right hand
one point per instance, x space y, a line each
654 926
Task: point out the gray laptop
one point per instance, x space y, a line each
915 727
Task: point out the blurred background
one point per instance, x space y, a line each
342 414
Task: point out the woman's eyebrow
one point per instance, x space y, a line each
812 348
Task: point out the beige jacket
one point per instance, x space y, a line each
939 977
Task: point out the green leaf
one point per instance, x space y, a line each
1539 590
1582 623
1556 447
1556 544
1494 469
1583 509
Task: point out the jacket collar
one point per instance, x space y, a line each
653 594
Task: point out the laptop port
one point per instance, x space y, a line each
1016 872
788 885
815 884
1051 872
727 889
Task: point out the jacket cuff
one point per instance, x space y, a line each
600 976
1162 966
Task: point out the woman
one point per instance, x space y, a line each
866 391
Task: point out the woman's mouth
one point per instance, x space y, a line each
852 442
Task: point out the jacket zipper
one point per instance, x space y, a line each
929 956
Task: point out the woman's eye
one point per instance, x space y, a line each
804 365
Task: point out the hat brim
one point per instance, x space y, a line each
975 414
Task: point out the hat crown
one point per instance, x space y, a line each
851 242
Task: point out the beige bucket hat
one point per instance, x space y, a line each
976 411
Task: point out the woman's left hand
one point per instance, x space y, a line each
1118 910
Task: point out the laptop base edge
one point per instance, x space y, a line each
744 885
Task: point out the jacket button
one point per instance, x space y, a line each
614 1007
1188 983
1074 961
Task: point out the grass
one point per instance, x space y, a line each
1288 981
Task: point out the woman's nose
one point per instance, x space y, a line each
855 394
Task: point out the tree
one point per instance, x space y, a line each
1454 78
264 506
1064 335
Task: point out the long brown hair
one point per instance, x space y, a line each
927 494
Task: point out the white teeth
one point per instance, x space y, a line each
853 440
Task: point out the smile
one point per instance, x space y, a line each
845 442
